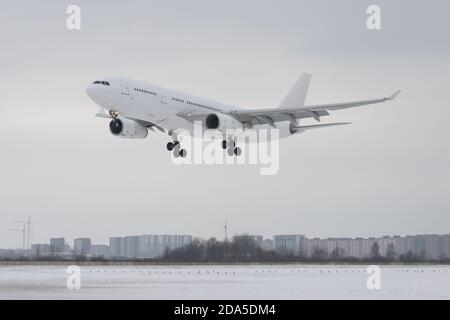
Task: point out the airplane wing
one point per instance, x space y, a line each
318 126
102 113
271 115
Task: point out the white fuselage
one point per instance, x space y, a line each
139 100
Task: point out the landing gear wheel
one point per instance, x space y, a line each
172 145
224 144
237 151
182 153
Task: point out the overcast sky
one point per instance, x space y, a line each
388 173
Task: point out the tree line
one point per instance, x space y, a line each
245 249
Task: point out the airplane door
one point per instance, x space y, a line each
163 99
125 88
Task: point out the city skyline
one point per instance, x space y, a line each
225 234
426 246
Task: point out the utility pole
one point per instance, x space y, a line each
225 227
29 232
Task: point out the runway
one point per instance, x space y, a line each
225 282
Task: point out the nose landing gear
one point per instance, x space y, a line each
113 113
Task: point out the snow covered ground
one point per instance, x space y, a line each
225 282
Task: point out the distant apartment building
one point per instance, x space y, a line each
57 246
117 246
7 253
146 246
290 244
424 246
14 253
267 245
100 251
446 246
432 246
40 250
82 246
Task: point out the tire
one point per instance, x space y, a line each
170 146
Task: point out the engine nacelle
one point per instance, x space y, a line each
222 122
127 129
287 129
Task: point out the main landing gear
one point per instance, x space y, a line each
231 147
175 147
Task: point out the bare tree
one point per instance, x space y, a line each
375 251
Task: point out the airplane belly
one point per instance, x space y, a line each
174 122
145 111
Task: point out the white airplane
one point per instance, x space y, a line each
136 107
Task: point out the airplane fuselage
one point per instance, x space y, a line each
136 99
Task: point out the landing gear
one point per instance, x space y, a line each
182 153
113 113
172 145
175 147
231 147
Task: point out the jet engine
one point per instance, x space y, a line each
222 122
127 129
287 129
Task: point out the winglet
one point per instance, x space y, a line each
393 96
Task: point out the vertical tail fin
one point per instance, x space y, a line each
297 95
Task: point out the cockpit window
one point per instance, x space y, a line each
105 83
